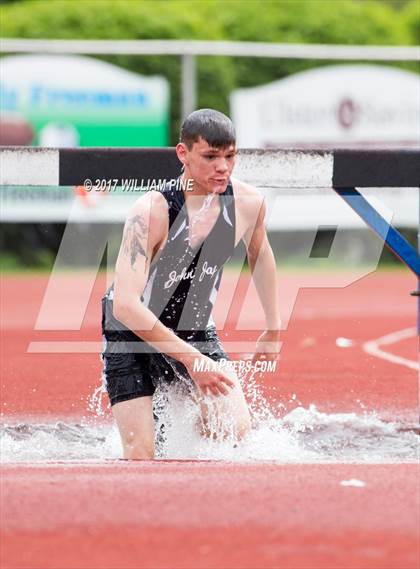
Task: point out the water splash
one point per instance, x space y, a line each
30 442
96 403
301 436
198 219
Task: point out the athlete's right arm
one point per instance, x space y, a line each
144 235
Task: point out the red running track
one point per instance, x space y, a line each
174 515
207 514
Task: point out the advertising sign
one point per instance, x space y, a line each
81 101
337 105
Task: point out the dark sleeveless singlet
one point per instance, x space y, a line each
181 291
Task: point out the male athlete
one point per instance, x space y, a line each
157 315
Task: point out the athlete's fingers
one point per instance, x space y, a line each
214 390
262 356
255 358
202 387
223 390
227 381
259 356
209 388
206 389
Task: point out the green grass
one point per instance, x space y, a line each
12 264
43 264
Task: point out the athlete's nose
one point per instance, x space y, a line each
222 165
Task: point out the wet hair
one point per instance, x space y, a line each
214 127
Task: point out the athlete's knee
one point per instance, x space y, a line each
243 426
239 411
223 426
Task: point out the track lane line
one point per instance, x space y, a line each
372 347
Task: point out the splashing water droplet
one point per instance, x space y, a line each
95 401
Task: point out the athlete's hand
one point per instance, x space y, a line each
267 346
213 381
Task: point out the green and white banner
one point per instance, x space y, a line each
81 101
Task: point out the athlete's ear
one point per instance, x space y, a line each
181 152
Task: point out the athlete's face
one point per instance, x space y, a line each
209 167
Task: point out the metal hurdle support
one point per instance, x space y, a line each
383 168
342 170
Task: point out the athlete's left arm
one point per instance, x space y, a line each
263 267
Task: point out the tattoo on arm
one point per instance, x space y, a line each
135 231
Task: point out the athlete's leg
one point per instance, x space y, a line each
226 415
136 426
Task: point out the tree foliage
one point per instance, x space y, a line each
298 21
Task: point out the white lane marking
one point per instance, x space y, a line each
353 482
373 347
